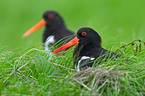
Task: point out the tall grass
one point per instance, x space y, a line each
36 72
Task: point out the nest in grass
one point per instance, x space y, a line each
96 77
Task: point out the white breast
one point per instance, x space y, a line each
82 58
49 40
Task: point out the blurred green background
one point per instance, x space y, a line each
116 21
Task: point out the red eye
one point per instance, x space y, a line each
84 33
50 16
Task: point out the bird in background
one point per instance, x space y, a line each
88 50
55 28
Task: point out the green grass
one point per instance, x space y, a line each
36 72
26 69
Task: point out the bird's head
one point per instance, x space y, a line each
50 19
85 37
88 36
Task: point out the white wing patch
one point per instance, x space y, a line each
83 58
49 40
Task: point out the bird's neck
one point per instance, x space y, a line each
87 50
53 30
90 46
55 27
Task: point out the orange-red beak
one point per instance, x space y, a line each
34 28
67 45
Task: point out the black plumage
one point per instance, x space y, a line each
90 46
88 49
55 28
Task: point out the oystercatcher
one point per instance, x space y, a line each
88 50
55 28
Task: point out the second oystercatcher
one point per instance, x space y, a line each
55 28
89 49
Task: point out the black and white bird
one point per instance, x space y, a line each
88 50
55 28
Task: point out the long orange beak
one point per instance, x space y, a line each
67 45
34 28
